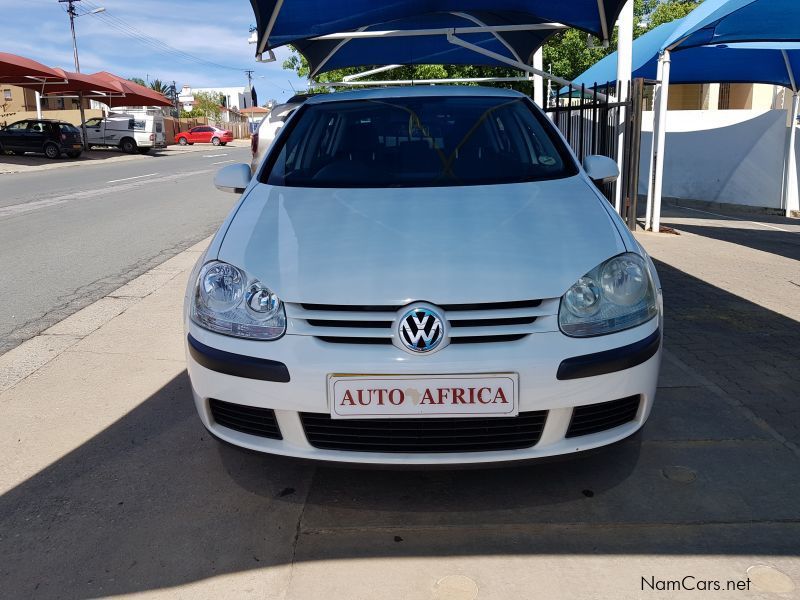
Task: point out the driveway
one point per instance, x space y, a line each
112 486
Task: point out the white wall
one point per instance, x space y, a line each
728 156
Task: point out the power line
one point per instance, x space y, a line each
157 45
153 43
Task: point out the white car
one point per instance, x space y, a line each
422 276
139 132
269 127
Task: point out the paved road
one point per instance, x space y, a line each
70 236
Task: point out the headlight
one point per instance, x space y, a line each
617 294
227 301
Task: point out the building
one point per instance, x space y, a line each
18 103
237 98
724 96
254 116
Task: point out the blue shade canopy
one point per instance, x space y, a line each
326 55
761 62
281 22
732 21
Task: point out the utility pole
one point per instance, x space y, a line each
72 14
249 73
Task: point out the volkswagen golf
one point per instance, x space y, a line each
422 276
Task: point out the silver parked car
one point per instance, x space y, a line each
269 127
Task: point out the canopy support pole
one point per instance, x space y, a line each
538 80
355 76
624 69
420 81
453 39
660 140
363 33
39 100
648 219
790 191
601 11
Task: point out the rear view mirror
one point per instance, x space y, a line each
233 178
601 169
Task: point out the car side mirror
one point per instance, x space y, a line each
233 178
601 169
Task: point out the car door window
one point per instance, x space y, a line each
37 127
94 122
18 127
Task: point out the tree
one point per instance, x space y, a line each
138 80
159 86
208 104
668 11
297 63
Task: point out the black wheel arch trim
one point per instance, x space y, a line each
610 361
237 365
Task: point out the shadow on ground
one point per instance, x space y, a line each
94 155
153 501
774 241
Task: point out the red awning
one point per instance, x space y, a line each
82 82
15 69
135 94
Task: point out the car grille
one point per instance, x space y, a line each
246 419
445 434
467 323
594 418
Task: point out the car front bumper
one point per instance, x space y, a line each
557 374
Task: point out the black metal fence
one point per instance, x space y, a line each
592 121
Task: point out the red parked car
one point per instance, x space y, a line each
203 135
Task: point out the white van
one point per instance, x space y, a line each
131 132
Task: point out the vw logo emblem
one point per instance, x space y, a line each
421 329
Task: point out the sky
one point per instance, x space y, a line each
213 31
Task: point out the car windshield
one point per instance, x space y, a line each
418 142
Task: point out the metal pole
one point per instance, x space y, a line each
648 219
72 14
624 68
538 80
634 150
790 191
660 140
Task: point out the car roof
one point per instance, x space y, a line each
42 121
415 92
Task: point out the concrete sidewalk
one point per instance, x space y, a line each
111 487
32 163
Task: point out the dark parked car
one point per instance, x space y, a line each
53 138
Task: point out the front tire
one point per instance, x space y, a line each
183 141
128 145
215 141
52 151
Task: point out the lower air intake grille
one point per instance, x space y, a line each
444 434
601 417
246 419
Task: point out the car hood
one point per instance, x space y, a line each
443 245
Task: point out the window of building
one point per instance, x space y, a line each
7 95
724 96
